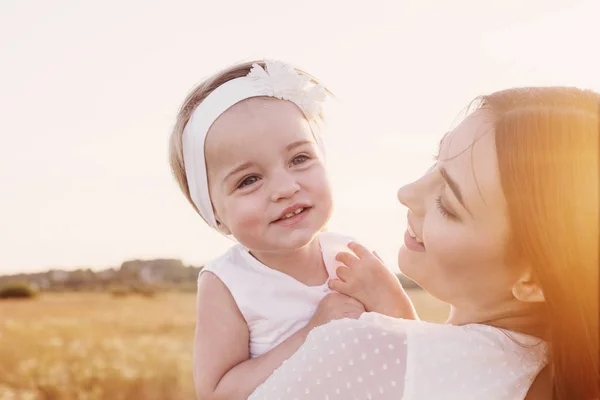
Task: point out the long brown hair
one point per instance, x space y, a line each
547 147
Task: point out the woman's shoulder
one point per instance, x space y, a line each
472 333
473 361
473 340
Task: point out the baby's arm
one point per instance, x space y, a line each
222 367
366 278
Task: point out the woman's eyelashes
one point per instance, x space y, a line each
443 210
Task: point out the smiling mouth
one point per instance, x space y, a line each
292 214
413 235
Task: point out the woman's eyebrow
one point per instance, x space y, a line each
455 188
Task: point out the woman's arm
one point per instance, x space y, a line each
342 360
222 368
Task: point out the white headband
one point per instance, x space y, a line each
276 80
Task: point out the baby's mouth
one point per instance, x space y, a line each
292 214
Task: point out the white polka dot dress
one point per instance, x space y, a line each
377 357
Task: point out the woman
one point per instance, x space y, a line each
504 228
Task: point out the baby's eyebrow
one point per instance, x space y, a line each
237 169
297 143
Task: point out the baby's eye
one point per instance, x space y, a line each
300 159
250 180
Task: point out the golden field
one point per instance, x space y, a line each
80 346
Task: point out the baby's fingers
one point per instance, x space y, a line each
377 255
347 259
361 251
345 274
339 286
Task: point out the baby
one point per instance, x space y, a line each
247 153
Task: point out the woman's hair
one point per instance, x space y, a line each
193 99
547 147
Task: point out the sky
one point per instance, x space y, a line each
89 92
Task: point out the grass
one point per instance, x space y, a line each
79 346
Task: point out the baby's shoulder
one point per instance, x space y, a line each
230 260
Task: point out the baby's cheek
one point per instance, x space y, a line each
248 218
318 181
243 219
325 201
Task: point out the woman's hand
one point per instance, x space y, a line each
365 278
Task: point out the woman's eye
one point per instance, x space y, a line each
444 211
299 159
250 180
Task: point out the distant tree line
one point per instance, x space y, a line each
158 273
167 273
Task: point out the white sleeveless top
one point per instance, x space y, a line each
274 304
378 357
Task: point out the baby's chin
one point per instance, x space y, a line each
293 241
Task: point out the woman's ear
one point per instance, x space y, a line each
526 288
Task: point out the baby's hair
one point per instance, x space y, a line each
193 99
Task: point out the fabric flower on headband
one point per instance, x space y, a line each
281 81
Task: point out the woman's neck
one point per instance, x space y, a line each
516 316
304 264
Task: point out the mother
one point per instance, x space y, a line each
504 227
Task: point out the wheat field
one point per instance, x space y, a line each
79 346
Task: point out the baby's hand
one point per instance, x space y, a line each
335 306
365 278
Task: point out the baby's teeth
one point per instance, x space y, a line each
290 215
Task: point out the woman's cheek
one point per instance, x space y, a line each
445 243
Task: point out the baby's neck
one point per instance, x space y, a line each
305 265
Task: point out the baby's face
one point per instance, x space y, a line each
267 181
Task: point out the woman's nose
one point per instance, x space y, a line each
413 195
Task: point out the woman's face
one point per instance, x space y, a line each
458 211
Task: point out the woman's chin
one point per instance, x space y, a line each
409 263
